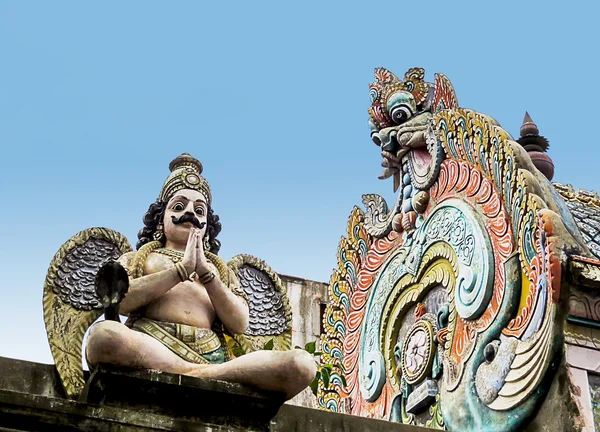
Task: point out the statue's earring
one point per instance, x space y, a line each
158 234
206 243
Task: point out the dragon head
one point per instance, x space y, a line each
399 117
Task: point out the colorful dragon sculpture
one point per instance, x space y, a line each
446 308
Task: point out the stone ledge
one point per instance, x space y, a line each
184 397
31 399
27 412
28 377
295 418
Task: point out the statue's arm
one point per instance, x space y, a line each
231 309
146 289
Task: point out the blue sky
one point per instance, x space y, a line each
96 99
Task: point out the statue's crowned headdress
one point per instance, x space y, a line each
185 174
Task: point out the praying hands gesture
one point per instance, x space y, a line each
232 311
194 260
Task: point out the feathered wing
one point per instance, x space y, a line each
527 367
270 312
70 301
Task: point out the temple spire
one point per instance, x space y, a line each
529 128
537 146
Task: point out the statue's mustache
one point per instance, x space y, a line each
188 217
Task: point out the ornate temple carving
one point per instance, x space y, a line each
449 307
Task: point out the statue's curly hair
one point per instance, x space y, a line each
155 215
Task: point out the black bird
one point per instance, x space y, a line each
112 283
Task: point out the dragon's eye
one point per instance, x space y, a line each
401 106
401 113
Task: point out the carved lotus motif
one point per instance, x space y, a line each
418 352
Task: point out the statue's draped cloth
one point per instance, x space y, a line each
193 344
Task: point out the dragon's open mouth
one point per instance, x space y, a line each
402 145
420 160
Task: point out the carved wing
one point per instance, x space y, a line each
270 312
70 301
526 369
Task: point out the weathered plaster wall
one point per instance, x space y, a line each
306 298
583 362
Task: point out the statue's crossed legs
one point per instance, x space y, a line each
110 342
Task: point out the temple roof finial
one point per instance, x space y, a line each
529 127
530 138
537 146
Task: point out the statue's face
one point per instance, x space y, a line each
185 201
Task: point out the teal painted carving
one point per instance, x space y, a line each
455 224
470 406
481 223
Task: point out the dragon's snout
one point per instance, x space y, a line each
386 139
410 134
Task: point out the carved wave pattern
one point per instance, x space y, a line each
352 250
358 260
377 256
469 136
460 180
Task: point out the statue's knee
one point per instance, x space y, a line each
303 367
103 340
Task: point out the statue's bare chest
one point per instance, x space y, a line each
187 302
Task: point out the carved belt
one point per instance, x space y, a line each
196 345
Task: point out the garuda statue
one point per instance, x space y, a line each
186 308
